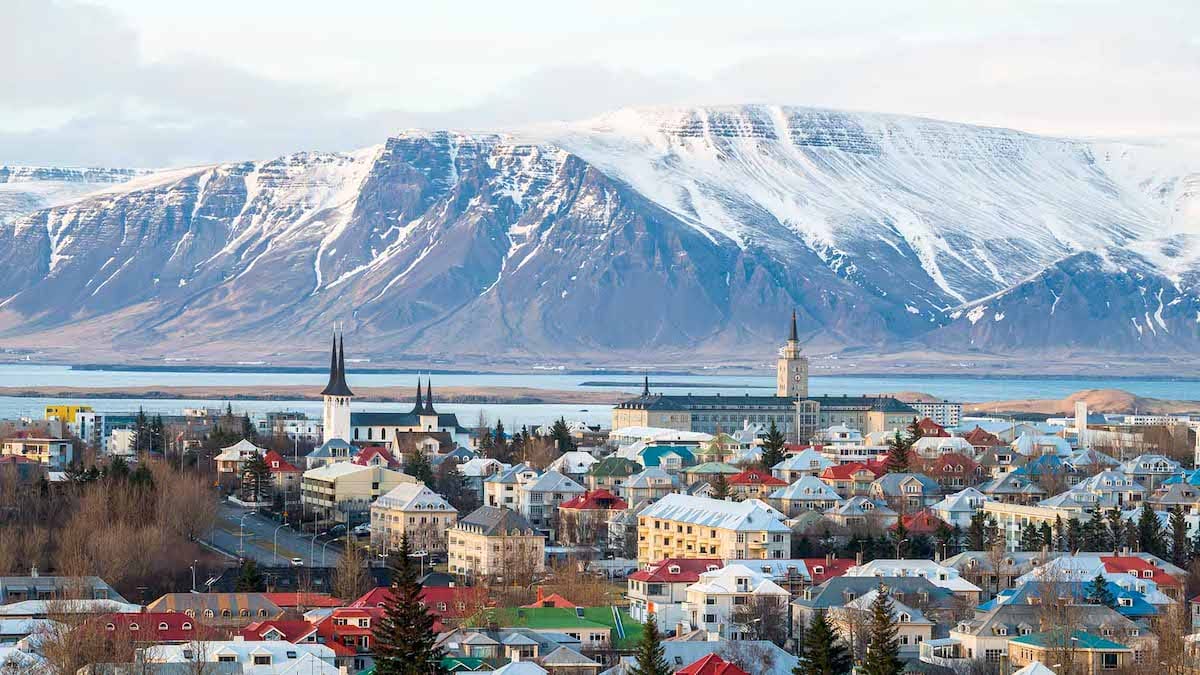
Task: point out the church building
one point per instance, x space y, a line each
798 415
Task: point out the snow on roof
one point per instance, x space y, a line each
863 602
552 481
968 499
807 487
938 575
724 581
413 497
751 515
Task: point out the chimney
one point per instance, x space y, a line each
33 572
829 560
1124 550
540 595
858 558
679 629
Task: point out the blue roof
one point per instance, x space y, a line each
1137 606
653 454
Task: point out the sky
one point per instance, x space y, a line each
148 83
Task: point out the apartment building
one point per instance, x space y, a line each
495 541
343 492
414 510
682 526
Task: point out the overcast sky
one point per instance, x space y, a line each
154 83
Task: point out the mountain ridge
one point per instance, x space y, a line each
659 233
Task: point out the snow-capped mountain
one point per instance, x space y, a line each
655 232
24 189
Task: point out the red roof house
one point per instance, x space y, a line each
278 464
552 600
296 631
851 479
930 428
304 601
982 439
952 470
755 483
156 627
1136 566
677 570
921 522
711 665
600 500
824 569
375 455
348 630
445 603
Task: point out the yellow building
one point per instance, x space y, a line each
1086 653
683 526
491 542
66 413
414 510
343 491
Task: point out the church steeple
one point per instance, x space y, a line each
793 337
646 386
791 370
418 407
429 398
337 370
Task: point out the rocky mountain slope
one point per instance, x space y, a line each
24 189
671 234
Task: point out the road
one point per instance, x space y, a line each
260 536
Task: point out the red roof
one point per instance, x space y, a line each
278 464
157 626
828 568
459 601
15 459
305 600
595 499
980 438
930 428
290 631
847 471
711 665
921 522
676 570
797 448
938 466
335 636
756 477
368 453
552 600
1127 564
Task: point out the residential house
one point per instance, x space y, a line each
941 576
998 460
583 520
721 600
681 526
982 440
38 587
754 484
1114 489
953 471
1090 654
712 664
574 464
957 509
808 492
376 455
1035 445
143 628
1012 488
835 593
861 513
1150 470
652 483
807 462
905 491
660 588
932 447
479 469
709 471
912 627
219 610
56 454
231 459
610 474
285 476
256 657
851 480
415 511
331 451
495 541
502 489
541 497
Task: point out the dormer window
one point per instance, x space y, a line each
674 569
162 626
134 626
110 626
1126 602
187 625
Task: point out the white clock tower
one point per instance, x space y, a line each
791 373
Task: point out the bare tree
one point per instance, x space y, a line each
350 578
764 617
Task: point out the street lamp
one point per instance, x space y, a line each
194 562
312 549
323 549
421 555
242 534
898 544
275 544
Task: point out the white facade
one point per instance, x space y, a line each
713 602
945 413
336 417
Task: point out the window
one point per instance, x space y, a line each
262 659
992 655
188 654
226 658
109 626
162 626
1108 661
134 626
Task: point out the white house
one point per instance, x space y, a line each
257 657
957 509
722 598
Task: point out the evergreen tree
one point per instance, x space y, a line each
1196 544
500 442
250 580
945 539
883 648
1095 532
417 465
1149 533
822 651
562 436
1031 538
914 432
1098 593
897 454
451 484
118 470
773 446
404 637
142 477
157 435
976 539
992 537
141 433
720 487
1047 536
1116 530
248 431
1074 535
649 656
1181 547
256 479
1060 535
486 445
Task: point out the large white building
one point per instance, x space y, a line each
720 601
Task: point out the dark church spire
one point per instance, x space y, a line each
793 337
429 397
337 370
418 407
646 386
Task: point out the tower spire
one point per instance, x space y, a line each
429 397
793 337
646 385
337 370
418 407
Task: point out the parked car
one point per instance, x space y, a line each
337 529
363 530
297 562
